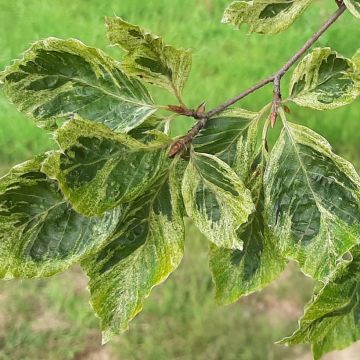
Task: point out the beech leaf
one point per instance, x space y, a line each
312 201
40 234
216 199
146 247
57 78
324 80
148 57
264 16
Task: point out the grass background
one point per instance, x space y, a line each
51 318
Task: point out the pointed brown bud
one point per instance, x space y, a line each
176 109
201 108
286 109
273 118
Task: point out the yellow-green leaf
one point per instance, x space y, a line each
148 57
332 318
265 16
324 80
57 78
216 199
238 273
40 234
312 201
354 7
232 137
99 169
146 247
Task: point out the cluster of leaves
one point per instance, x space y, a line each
112 200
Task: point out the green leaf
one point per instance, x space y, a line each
147 246
148 57
264 16
58 78
324 80
354 7
99 169
312 201
216 199
332 318
40 234
232 137
241 272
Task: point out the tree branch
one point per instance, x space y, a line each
203 117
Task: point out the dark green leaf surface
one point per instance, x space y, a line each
232 137
99 169
241 272
146 247
332 318
58 78
148 57
354 7
216 199
265 16
312 201
40 234
324 80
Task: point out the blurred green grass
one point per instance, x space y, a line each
51 319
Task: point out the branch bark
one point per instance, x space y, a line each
203 117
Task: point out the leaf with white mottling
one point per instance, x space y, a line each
241 272
40 234
216 199
324 80
232 137
264 16
147 246
58 78
312 201
148 57
99 169
354 7
332 318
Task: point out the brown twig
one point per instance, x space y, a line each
202 117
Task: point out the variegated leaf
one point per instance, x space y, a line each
99 169
241 272
332 318
324 80
216 199
146 247
58 78
232 137
40 234
265 16
354 7
312 201
148 57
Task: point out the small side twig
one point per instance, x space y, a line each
203 116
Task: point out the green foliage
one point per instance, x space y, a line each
59 78
148 57
112 200
354 7
265 17
324 80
